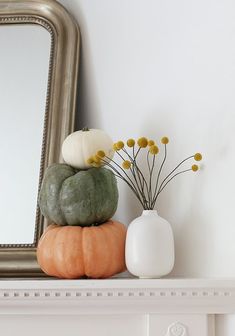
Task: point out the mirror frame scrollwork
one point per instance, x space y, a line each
19 260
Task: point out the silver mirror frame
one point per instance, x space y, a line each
19 260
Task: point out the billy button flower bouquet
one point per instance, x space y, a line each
146 188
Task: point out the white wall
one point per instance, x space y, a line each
159 68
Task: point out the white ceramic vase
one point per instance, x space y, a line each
149 246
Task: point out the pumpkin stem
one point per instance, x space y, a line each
85 129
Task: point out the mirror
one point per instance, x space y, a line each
38 65
24 64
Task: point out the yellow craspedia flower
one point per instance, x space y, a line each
198 157
115 147
151 143
195 168
126 164
96 159
142 142
153 149
90 161
164 140
100 154
96 165
130 142
119 145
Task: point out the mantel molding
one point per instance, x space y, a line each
196 296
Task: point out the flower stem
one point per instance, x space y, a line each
158 177
150 180
136 171
111 166
164 186
118 174
190 157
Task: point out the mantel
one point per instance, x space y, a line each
117 296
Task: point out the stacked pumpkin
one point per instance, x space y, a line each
80 201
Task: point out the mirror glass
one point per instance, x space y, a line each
24 67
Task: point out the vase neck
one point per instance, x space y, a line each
149 212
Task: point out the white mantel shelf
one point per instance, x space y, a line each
120 296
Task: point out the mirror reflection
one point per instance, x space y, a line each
24 66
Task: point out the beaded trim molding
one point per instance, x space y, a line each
113 293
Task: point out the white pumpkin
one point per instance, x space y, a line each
79 146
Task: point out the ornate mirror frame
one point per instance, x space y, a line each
20 259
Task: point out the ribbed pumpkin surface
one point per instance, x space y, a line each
72 251
71 197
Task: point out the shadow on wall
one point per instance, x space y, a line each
88 104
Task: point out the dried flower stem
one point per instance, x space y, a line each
165 179
159 172
140 184
164 186
136 170
150 168
129 182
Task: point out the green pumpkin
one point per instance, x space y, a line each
71 197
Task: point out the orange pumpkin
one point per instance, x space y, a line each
72 251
